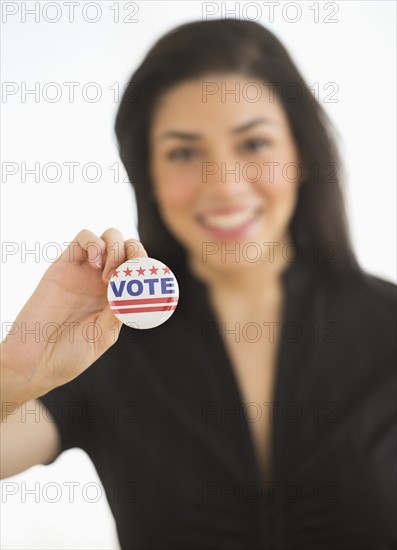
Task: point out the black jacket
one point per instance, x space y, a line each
161 416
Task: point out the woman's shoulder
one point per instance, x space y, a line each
368 293
365 306
355 290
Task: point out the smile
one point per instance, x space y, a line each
229 223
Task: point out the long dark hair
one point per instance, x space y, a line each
319 224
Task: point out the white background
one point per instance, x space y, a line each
357 53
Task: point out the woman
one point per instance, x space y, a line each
261 414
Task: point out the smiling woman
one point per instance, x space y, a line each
314 466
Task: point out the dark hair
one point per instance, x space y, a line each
227 45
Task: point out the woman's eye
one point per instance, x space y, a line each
254 144
182 153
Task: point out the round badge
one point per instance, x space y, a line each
143 293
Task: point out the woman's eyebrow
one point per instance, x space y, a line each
254 122
189 136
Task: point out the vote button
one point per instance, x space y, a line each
143 293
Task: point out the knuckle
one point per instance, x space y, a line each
82 233
111 230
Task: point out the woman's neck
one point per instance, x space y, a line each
254 283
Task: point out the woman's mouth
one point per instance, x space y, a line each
228 223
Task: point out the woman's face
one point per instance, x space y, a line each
225 169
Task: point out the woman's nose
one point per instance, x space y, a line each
225 175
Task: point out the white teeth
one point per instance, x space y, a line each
228 221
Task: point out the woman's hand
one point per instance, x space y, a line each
70 312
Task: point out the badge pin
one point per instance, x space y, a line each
143 293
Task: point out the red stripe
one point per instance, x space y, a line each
143 301
143 309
